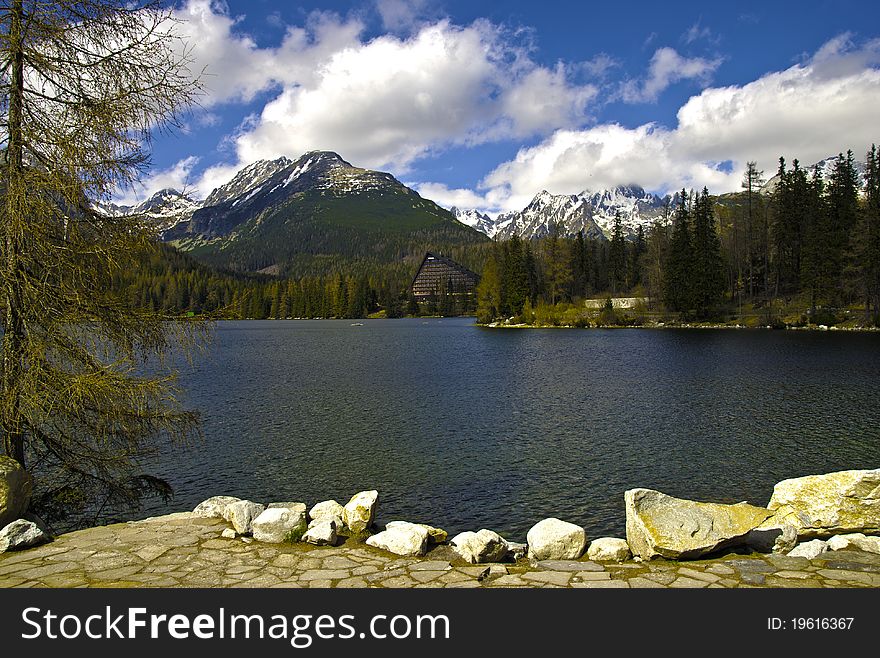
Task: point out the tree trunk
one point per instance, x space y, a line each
14 325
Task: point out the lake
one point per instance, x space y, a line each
469 428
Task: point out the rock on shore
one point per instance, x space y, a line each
402 538
608 549
553 539
359 512
834 503
21 534
279 524
480 547
16 486
658 525
214 507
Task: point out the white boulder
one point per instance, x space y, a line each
809 549
327 509
407 539
276 525
552 539
854 542
241 515
435 535
359 512
608 549
214 507
480 547
321 532
20 534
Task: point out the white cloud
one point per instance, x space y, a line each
237 69
400 15
454 197
381 103
696 32
178 177
666 68
808 111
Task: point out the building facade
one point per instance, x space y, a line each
439 275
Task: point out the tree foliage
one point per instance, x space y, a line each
86 391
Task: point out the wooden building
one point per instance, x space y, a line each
439 275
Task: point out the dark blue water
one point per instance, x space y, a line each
468 428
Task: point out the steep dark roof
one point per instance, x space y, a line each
445 261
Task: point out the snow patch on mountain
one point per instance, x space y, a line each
476 219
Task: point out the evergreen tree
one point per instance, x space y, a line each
871 234
677 291
639 247
753 181
816 267
557 264
489 297
515 277
843 213
790 200
707 278
617 257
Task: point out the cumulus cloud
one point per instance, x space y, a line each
237 69
178 176
809 111
453 197
385 102
666 68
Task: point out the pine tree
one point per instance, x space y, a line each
515 277
557 264
815 263
843 214
790 200
707 278
617 257
677 291
639 247
753 181
872 234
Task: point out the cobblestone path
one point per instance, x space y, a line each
182 551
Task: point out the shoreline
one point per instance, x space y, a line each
666 326
816 531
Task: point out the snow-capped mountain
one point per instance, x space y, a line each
247 180
475 219
825 167
636 207
570 215
590 212
167 208
265 186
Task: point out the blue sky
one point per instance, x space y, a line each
484 104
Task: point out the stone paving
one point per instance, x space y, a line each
180 550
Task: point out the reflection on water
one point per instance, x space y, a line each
469 428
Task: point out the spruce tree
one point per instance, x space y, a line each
707 278
617 269
677 289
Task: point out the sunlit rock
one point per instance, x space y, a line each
834 503
553 539
658 525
